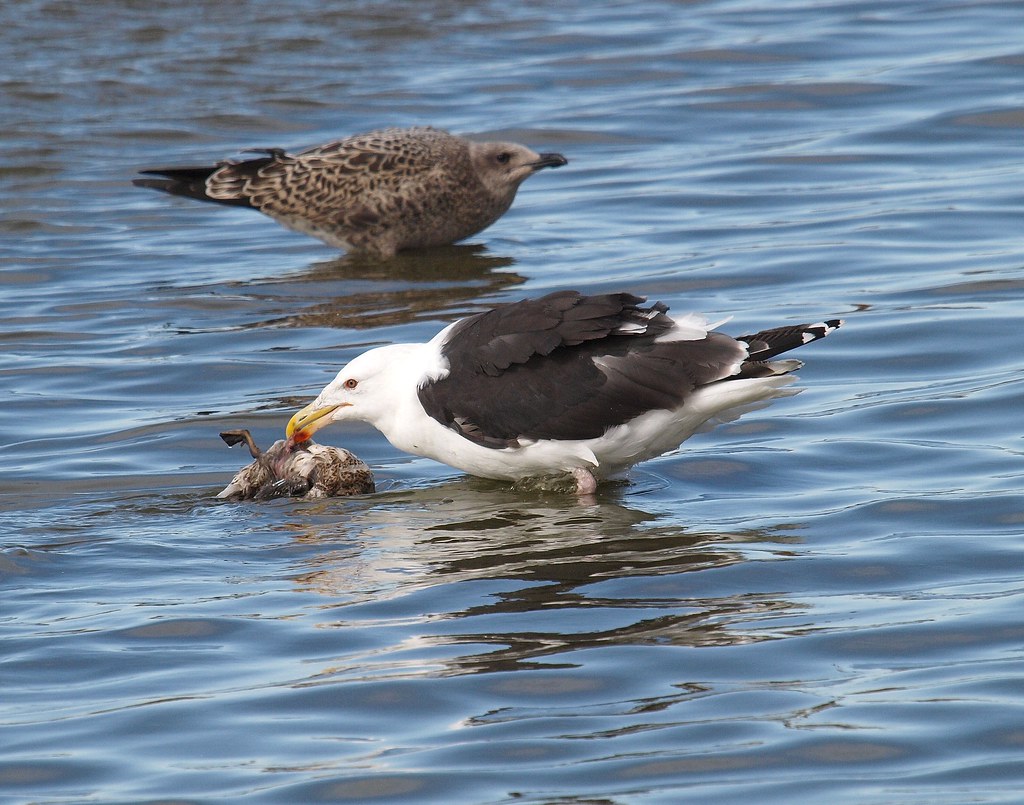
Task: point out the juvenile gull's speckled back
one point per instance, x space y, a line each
375 193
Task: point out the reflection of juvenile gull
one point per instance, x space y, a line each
564 384
296 469
375 193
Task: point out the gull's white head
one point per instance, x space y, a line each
364 390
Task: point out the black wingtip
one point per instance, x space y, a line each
163 185
769 343
190 174
188 183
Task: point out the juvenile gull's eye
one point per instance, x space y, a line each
503 157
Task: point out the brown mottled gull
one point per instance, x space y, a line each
374 193
290 468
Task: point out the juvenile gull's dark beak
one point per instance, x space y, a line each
549 161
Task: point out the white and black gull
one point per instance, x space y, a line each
374 193
566 384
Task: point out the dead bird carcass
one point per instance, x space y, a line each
296 469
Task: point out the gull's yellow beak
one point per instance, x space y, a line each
309 420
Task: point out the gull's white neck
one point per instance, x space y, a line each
395 409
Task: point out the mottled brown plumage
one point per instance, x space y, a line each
374 193
296 469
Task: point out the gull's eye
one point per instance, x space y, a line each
351 383
503 158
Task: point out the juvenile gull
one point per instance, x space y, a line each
564 384
293 468
374 193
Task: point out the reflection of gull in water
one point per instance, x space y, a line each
410 287
530 556
357 292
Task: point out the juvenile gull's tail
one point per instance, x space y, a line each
192 182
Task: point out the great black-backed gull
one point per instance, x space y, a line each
374 193
563 384
293 468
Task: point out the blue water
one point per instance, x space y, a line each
819 601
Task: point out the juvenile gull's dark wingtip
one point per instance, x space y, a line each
189 182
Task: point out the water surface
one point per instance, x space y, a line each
819 600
